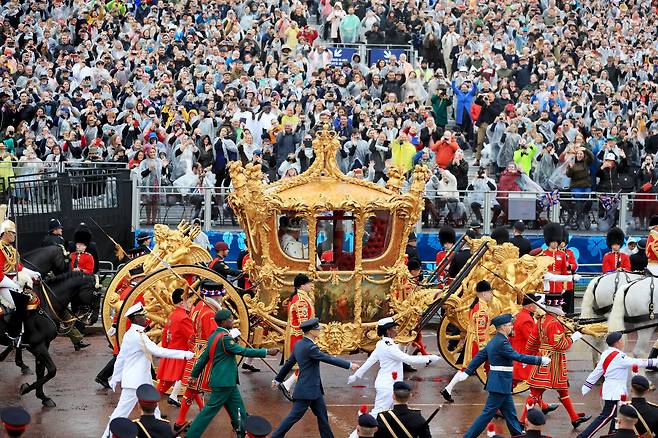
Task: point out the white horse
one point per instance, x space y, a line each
632 307
599 299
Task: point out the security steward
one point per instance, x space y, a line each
54 236
147 425
15 421
401 421
219 265
647 411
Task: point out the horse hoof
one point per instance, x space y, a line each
48 402
26 371
25 388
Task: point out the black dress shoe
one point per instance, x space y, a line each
446 395
104 383
250 367
173 402
550 408
180 428
580 421
80 345
408 368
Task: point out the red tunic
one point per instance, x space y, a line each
559 267
478 329
301 309
4 264
85 262
572 266
177 334
548 338
247 282
524 324
614 260
203 317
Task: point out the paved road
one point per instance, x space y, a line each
83 407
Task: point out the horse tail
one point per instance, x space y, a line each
618 312
587 305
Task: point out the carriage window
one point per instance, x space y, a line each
293 236
376 235
335 241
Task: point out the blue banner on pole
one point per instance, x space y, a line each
377 54
341 54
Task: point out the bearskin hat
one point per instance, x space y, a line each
447 235
82 235
552 233
615 237
565 235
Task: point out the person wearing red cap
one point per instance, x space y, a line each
176 334
15 421
219 265
147 424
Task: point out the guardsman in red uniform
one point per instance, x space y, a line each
652 247
572 267
177 334
81 260
203 317
553 237
549 338
301 308
615 260
447 237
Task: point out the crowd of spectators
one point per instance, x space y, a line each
540 95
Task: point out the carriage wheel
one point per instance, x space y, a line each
450 339
112 289
151 284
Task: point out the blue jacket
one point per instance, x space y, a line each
464 101
308 356
500 353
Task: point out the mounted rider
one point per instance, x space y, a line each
615 260
553 237
11 268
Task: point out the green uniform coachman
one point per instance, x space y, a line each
221 350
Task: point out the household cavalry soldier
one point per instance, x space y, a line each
477 335
134 362
447 237
203 318
647 426
11 267
553 237
391 360
615 260
221 352
549 338
501 357
613 366
651 249
301 308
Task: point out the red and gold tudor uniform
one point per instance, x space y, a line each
615 260
652 246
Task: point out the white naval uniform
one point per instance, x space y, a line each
391 359
616 375
133 368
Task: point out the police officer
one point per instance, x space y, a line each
147 425
15 421
647 411
219 265
401 420
122 427
143 244
54 236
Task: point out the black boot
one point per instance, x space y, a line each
653 355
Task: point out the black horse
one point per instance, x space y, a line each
40 326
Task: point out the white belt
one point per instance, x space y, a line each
502 369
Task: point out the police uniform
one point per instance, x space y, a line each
133 365
501 357
391 370
147 425
615 260
53 239
15 420
553 233
83 261
402 421
613 366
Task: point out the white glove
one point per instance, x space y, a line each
113 384
461 376
576 336
585 389
577 277
9 284
235 333
33 274
432 358
189 355
351 379
112 331
545 360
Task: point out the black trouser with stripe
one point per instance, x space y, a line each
608 414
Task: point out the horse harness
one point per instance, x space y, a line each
605 309
641 318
